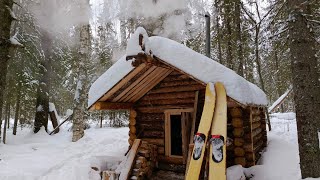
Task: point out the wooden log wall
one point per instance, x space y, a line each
132 126
256 137
176 91
247 129
145 161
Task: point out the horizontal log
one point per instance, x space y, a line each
254 148
240 160
176 78
177 83
256 111
132 129
158 142
250 163
237 122
132 121
153 134
238 141
172 160
256 119
173 95
160 109
151 117
151 126
238 132
239 151
250 156
236 112
161 150
165 102
111 105
133 114
178 89
257 138
256 125
255 132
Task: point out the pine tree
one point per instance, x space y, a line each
306 86
6 15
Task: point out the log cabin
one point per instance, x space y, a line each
162 83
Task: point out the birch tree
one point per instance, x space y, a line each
82 67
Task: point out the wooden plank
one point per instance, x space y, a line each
167 134
179 77
111 105
141 85
173 160
251 129
178 83
124 174
150 70
160 109
193 125
122 82
184 120
151 85
166 101
173 95
178 89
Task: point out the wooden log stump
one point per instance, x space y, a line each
236 112
237 122
239 151
238 141
238 132
241 161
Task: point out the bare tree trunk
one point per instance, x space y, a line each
218 34
82 86
306 86
5 27
239 38
257 56
6 121
17 113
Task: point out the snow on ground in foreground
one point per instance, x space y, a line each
280 161
29 156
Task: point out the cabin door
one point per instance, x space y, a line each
177 132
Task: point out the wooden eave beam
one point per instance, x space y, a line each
111 106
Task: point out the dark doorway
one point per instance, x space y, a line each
176 135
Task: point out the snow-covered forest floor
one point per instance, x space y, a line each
29 156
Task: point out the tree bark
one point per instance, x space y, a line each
305 86
5 27
42 105
239 38
17 112
82 86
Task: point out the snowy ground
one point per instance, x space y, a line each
280 161
29 156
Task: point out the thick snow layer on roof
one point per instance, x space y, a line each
185 59
108 79
206 70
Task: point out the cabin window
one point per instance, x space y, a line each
177 132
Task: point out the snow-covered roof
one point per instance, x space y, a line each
183 58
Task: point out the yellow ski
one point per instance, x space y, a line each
201 137
217 162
